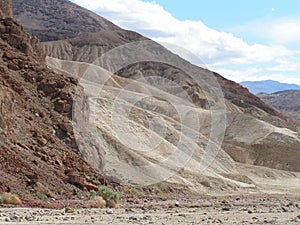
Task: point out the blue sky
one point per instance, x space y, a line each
242 40
225 14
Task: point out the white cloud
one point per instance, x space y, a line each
210 45
285 31
279 31
213 47
285 65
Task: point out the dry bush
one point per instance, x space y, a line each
8 198
97 202
112 204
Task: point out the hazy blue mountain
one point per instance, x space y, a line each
268 86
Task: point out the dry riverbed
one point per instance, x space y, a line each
250 209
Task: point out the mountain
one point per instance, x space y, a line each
39 155
268 86
68 21
143 97
286 101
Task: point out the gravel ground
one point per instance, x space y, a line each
205 210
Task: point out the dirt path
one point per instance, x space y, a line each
201 210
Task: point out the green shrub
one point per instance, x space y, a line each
108 194
93 194
41 196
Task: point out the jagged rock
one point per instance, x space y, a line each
91 187
76 179
60 105
28 120
15 36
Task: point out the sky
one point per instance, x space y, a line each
242 40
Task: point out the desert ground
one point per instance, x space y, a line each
246 209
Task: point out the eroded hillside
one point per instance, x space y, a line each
132 109
285 101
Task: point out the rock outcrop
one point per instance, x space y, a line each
37 144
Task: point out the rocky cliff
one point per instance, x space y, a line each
38 151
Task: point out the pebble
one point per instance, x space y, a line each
217 221
284 209
228 207
136 218
69 210
109 211
29 218
129 210
14 218
183 215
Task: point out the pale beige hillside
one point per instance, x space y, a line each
182 163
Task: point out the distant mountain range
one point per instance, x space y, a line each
268 86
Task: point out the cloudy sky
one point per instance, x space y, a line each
241 40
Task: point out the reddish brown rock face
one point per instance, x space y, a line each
37 143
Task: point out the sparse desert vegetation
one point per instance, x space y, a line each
105 196
9 198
